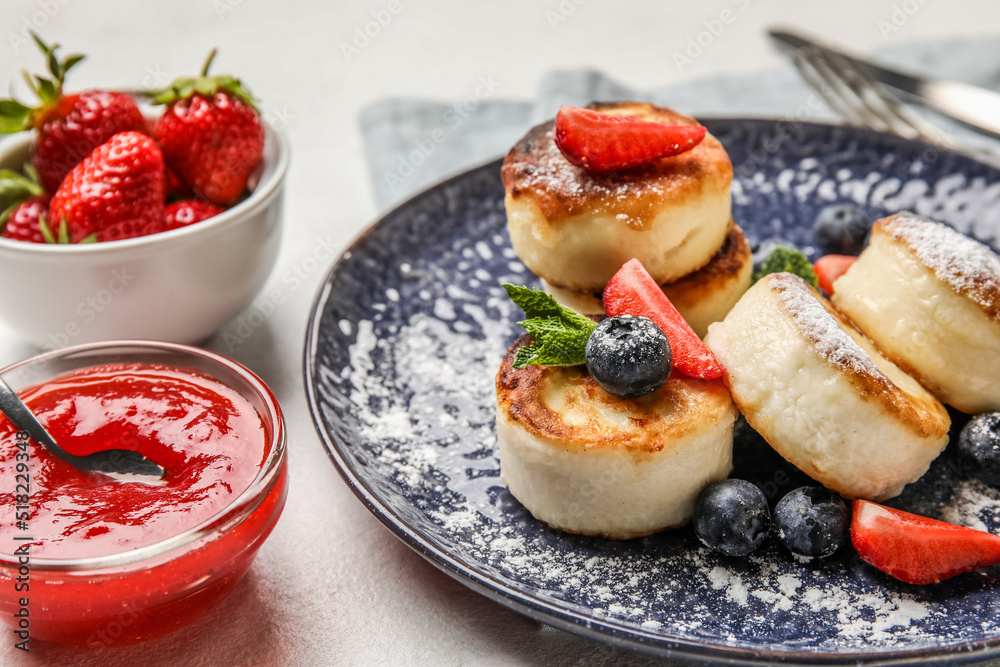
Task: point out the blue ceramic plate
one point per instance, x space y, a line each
407 334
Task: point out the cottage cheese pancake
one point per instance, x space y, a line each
575 228
930 299
822 395
701 297
588 462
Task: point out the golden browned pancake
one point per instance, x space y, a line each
588 462
930 299
701 297
821 393
575 228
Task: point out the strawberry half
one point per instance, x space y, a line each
830 267
211 134
916 549
115 193
68 127
605 142
632 291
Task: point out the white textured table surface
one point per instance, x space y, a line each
331 586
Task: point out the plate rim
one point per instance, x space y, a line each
599 629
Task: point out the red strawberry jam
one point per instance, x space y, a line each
212 444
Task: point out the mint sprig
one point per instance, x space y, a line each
558 334
784 259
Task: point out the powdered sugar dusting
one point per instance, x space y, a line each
443 458
974 505
965 265
730 582
405 391
819 326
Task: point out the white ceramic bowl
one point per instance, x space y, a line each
178 286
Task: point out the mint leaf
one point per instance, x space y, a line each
558 334
787 260
539 303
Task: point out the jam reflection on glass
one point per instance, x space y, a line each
210 441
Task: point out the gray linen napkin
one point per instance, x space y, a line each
412 144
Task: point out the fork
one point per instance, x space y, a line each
852 93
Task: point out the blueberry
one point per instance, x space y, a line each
811 522
732 517
841 229
979 447
628 356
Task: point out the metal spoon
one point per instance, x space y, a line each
109 461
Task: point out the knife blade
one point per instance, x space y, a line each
972 106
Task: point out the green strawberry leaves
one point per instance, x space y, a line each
558 334
49 90
61 236
204 85
17 117
15 189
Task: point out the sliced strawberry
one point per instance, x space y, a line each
605 142
830 267
916 549
632 291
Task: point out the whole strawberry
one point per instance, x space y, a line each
68 127
211 134
26 221
115 193
189 211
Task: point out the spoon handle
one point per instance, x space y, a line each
21 417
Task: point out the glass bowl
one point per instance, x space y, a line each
145 592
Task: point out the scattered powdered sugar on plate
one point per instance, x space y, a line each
429 426
974 505
404 387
